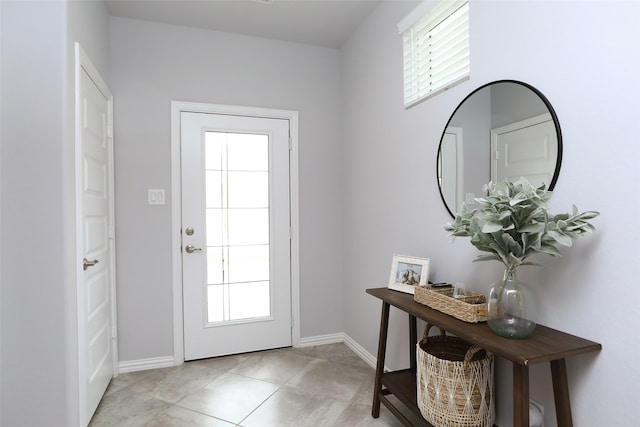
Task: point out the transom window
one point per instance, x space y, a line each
435 48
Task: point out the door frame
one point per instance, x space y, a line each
458 163
83 62
178 107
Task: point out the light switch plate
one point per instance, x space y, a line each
156 196
470 198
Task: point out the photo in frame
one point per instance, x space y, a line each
408 272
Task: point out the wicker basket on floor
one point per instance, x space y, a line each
455 382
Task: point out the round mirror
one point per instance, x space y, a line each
502 130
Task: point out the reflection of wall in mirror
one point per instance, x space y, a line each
512 102
474 118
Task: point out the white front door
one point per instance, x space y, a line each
235 234
95 244
527 148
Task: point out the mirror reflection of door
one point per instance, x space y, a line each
527 148
496 106
451 173
236 239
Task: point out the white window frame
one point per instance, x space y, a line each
436 54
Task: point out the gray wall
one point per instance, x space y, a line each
39 368
590 291
153 64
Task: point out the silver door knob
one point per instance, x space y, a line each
191 249
86 263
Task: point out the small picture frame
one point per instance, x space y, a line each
407 273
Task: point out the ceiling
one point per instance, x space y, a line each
327 23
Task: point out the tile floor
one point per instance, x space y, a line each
326 385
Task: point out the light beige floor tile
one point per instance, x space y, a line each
360 416
291 408
175 384
364 395
125 408
180 417
129 378
112 388
331 379
230 397
338 352
273 366
415 419
223 363
314 386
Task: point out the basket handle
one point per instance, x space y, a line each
427 328
471 352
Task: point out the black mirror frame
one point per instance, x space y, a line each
546 102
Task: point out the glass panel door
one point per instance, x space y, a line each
236 241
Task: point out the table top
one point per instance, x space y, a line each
544 345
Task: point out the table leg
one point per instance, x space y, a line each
520 395
561 392
413 339
382 349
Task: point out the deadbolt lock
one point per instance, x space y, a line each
189 231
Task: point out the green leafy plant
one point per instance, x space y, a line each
514 223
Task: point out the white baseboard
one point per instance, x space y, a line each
144 364
321 340
360 351
168 361
340 337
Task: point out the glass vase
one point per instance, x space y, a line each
510 308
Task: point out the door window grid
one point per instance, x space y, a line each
237 195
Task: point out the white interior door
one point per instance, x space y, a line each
235 234
526 149
95 244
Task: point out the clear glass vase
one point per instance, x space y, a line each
510 308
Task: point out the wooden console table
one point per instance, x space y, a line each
545 345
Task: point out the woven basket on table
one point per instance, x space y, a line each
455 382
471 308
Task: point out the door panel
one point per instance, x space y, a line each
235 204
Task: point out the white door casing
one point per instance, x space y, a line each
195 337
451 173
95 246
526 148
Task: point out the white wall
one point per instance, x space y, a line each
33 314
583 56
153 64
39 370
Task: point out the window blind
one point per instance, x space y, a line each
436 49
